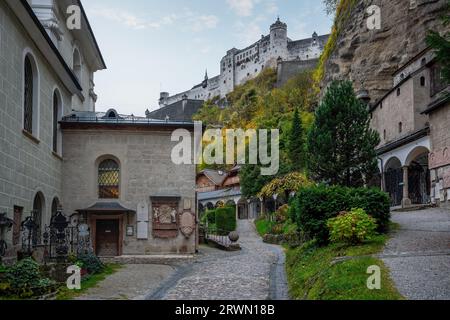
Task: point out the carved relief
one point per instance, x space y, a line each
187 224
440 158
165 217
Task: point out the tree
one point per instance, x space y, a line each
296 145
283 186
442 46
341 144
330 6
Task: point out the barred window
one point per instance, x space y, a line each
28 97
108 179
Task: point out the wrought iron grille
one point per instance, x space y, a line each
62 240
29 230
28 98
108 180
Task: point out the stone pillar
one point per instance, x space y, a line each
263 207
237 210
405 201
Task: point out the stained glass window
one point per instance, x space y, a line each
108 179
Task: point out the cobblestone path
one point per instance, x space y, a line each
418 255
254 273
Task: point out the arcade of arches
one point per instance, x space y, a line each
406 177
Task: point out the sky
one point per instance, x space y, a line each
151 46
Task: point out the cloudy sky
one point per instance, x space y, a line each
155 45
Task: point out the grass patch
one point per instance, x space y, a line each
90 281
312 275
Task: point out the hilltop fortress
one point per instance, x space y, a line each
275 50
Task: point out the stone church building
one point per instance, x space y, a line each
108 172
413 122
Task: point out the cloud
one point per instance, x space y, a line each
243 8
204 22
248 32
187 20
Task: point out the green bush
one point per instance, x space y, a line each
91 263
209 216
25 280
314 206
352 227
226 219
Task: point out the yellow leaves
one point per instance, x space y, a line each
291 182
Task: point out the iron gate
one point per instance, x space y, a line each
419 184
394 185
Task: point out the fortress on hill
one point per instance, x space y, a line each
275 50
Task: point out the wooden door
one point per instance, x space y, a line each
107 238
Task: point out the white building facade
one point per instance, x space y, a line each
239 66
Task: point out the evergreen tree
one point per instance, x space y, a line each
296 145
441 43
341 144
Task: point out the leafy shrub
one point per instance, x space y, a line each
282 214
226 219
314 206
352 227
91 263
24 274
277 229
25 280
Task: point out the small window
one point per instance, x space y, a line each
56 116
422 81
398 92
384 134
108 179
400 127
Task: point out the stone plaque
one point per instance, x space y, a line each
187 224
142 212
165 217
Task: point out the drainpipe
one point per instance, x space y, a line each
383 182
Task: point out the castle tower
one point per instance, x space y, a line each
278 39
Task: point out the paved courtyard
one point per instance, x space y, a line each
255 273
418 254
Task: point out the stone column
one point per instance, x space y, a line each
405 201
263 208
237 210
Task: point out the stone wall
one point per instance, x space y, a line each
440 157
146 170
373 56
27 166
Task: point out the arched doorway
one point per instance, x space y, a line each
393 177
242 209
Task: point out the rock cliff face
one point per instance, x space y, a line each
373 56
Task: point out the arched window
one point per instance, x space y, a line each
38 209
57 111
77 64
55 206
29 93
108 179
422 81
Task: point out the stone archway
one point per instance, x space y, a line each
419 182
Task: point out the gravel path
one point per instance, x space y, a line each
131 282
418 254
254 273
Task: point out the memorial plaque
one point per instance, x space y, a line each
142 221
165 217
